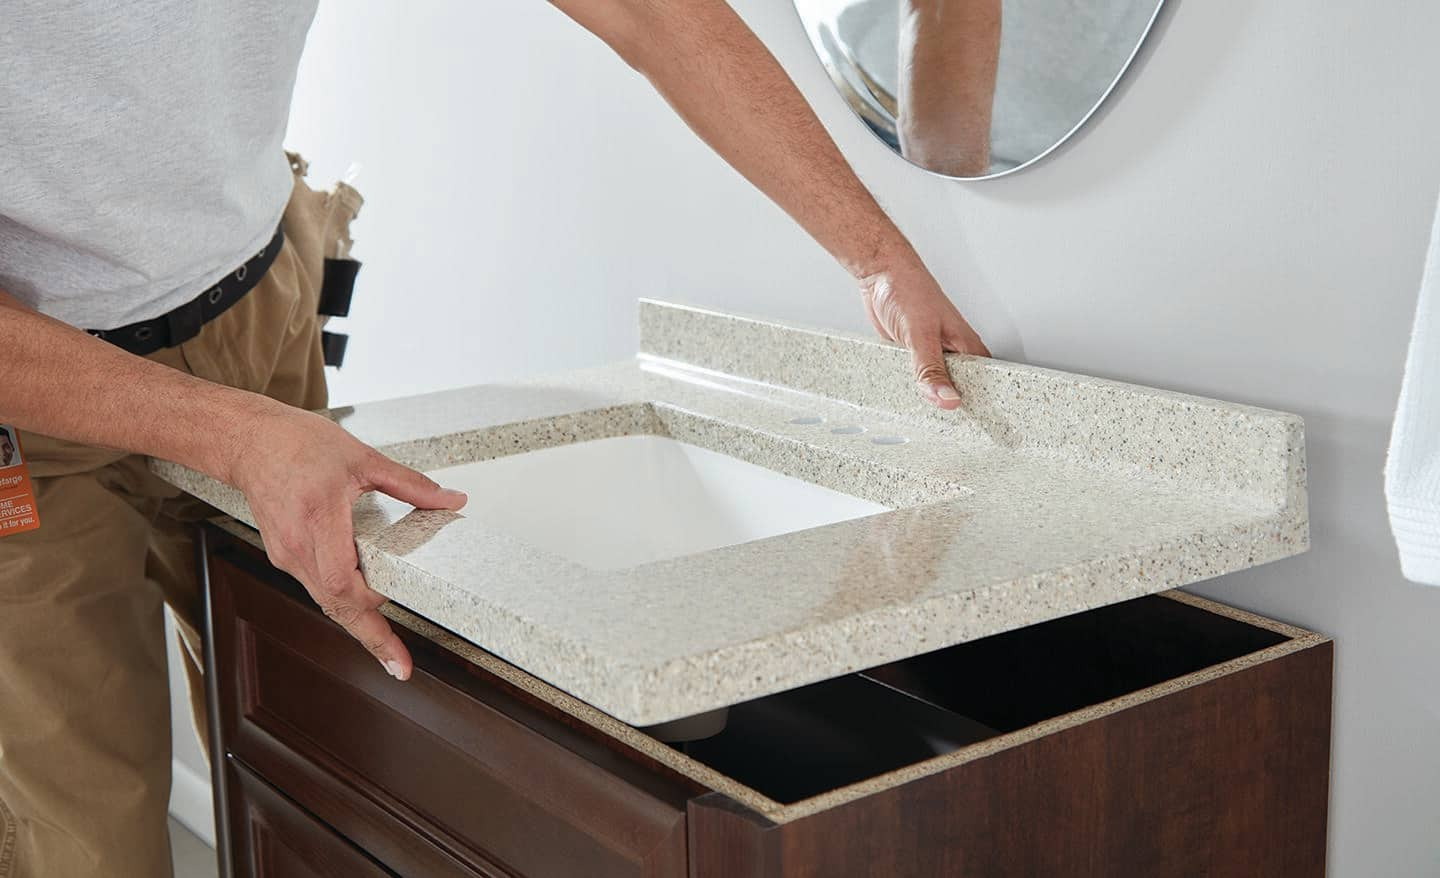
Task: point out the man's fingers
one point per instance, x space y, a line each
374 633
880 328
964 339
415 488
344 596
930 371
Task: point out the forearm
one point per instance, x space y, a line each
64 383
730 90
949 55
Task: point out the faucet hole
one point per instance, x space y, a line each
889 440
808 420
848 430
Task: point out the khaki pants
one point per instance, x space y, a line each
84 699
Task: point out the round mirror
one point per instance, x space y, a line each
976 88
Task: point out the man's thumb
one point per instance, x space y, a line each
931 374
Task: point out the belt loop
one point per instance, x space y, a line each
184 322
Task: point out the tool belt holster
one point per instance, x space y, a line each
317 222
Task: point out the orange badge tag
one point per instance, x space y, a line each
17 498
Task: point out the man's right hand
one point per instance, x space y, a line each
300 472
301 475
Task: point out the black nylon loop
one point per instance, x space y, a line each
338 286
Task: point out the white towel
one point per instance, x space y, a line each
1412 471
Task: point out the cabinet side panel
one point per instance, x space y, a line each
1226 778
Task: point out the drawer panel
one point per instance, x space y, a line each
277 839
442 758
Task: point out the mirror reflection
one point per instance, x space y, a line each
975 88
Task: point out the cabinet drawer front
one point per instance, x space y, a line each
276 839
441 759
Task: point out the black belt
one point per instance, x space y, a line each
183 323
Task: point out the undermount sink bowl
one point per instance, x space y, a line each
620 502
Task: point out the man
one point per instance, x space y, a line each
143 180
7 449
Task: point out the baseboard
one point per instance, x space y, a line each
190 801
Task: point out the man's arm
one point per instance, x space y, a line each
949 55
728 87
300 473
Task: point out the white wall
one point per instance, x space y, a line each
1247 222
190 793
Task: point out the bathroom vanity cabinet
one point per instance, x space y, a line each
1161 736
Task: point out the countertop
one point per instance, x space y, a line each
1047 494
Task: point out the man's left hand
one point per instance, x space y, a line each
908 307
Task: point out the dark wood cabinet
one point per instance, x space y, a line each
1165 736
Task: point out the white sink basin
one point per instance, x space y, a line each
614 503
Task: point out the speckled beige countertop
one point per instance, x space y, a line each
1047 494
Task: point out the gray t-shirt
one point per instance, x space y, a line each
140 148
